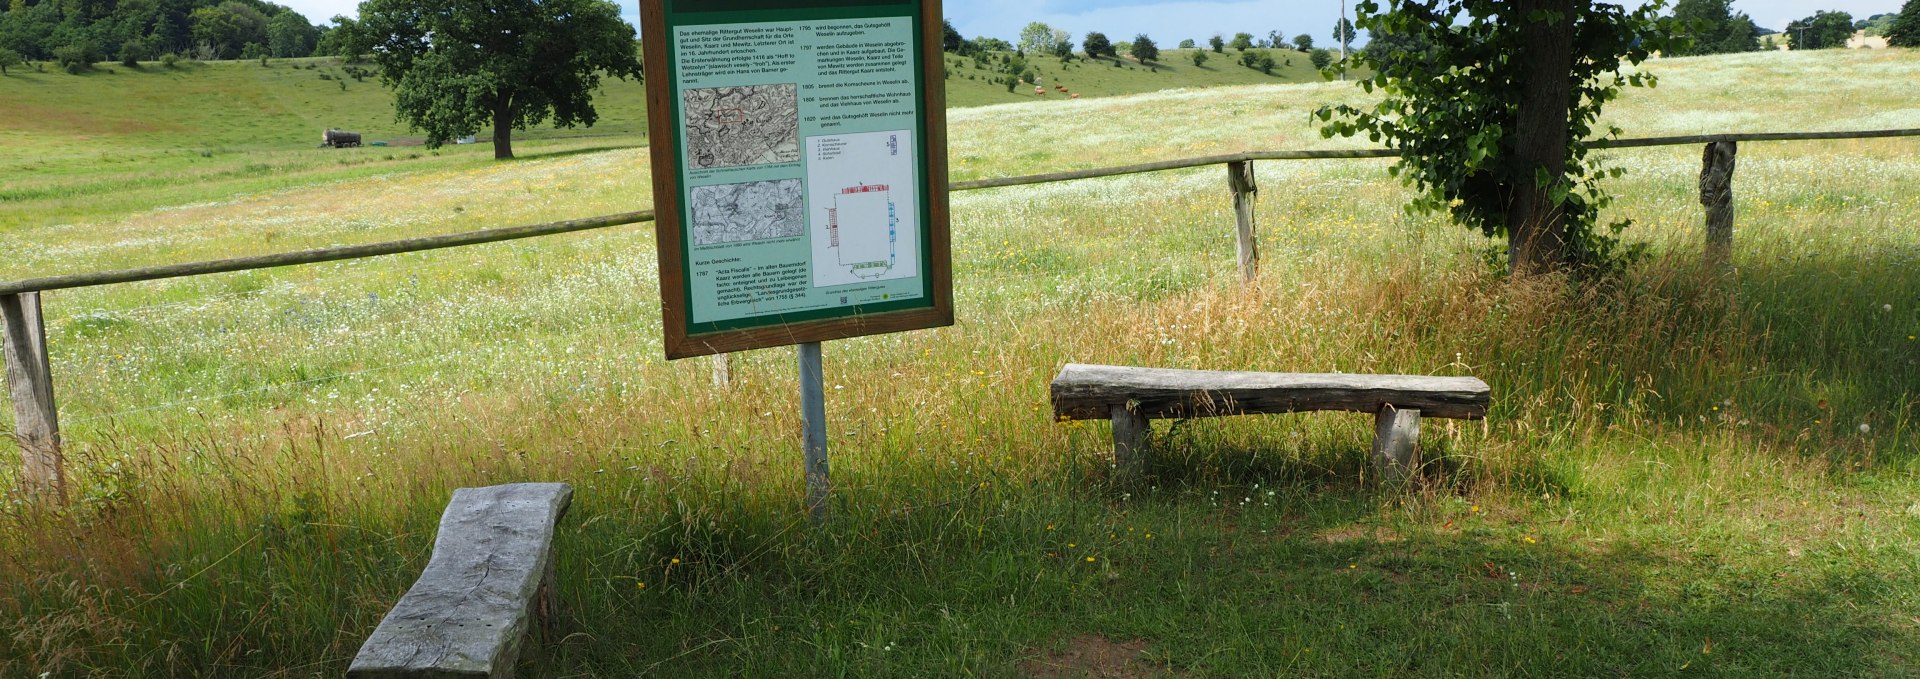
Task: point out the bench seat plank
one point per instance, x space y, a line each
1089 392
468 613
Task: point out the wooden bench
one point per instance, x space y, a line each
1129 396
491 572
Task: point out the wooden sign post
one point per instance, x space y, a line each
799 179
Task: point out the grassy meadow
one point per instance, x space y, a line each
1685 471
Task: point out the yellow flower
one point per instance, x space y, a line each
1530 540
1476 508
1352 566
1089 559
639 585
1049 526
674 561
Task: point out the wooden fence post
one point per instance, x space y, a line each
722 371
36 424
1240 180
1716 193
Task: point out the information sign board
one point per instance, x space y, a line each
799 170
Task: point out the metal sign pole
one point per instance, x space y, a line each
813 431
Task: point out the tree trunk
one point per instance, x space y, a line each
503 128
1537 224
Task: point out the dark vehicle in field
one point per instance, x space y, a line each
340 139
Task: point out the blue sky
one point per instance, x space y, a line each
1170 22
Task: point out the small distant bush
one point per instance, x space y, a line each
1321 58
170 59
1199 57
1186 44
76 58
133 52
9 59
1012 82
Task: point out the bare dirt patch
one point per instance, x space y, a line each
1091 656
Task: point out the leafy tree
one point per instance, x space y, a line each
1905 31
228 27
1143 49
1713 28
1303 42
9 59
1494 125
1320 58
950 40
992 45
1242 41
1096 44
1217 44
1274 40
132 52
1186 44
289 35
1257 59
76 58
1039 38
1199 58
1823 30
347 39
456 66
1343 33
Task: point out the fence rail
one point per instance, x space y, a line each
30 381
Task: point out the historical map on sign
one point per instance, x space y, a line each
728 213
749 125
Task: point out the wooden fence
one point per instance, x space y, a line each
30 378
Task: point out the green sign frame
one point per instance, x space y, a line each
799 170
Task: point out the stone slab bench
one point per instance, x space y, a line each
1129 396
490 574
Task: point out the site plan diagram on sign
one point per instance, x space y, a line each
748 125
861 196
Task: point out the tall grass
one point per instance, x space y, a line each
1675 476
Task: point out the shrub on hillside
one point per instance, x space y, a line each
170 59
1321 58
1199 57
76 58
132 52
9 59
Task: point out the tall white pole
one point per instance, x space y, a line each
1341 29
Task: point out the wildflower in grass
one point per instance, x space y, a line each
1089 559
1864 428
639 585
1529 540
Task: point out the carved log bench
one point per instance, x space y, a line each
490 574
1129 396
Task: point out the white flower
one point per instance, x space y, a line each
1864 428
1887 308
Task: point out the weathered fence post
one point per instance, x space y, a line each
722 371
1716 194
36 424
1240 180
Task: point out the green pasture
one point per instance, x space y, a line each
1686 471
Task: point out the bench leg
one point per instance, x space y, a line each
1396 443
1129 441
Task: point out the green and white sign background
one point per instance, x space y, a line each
799 146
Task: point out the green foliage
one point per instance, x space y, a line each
289 35
1011 82
347 39
455 67
9 59
1302 42
170 59
1823 30
1257 59
1199 57
1143 49
1458 128
76 58
254 50
1320 58
950 38
132 52
1186 44
1096 45
1242 41
1343 32
1217 44
1038 38
1905 31
228 28
1712 27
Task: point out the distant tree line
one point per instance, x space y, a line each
87 31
